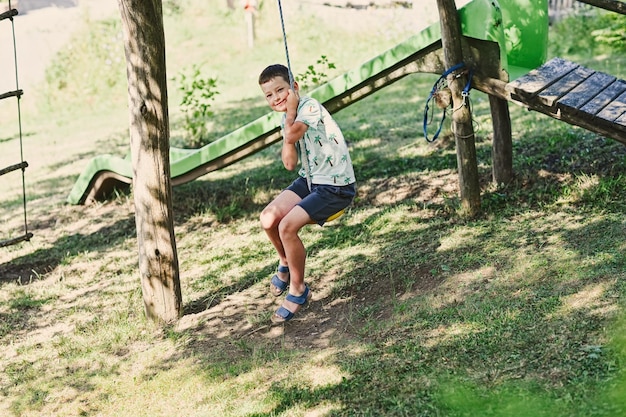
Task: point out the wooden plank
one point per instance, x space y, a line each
600 126
586 91
614 109
605 97
571 93
621 122
563 86
539 79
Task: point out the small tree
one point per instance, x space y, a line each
198 93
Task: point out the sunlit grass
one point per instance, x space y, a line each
417 311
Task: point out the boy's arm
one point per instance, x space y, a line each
289 155
292 132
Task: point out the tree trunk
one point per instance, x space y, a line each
461 116
144 40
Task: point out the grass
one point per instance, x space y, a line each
417 310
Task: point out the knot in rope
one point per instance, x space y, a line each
442 96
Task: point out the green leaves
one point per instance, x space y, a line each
314 74
198 93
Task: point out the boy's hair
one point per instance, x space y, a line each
273 71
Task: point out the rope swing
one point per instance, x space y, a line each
17 93
282 25
301 145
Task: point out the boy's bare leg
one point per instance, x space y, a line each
295 251
271 217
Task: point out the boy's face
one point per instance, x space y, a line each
276 91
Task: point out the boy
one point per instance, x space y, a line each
325 185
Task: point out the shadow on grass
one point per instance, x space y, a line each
439 319
445 337
444 341
424 330
37 264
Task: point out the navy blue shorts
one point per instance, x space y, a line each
323 200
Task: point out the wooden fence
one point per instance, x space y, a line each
561 8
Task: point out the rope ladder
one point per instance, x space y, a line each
17 93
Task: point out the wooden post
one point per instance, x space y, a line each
461 116
611 5
144 44
250 10
502 143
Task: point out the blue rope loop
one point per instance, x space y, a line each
439 84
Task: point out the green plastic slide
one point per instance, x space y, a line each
519 27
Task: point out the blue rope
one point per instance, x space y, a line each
440 81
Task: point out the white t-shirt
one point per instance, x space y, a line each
326 149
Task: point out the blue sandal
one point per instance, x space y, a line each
282 314
278 285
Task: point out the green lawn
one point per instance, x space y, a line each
417 311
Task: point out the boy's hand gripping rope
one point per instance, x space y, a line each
439 85
301 144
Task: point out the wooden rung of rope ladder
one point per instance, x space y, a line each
16 93
24 238
11 168
8 14
22 165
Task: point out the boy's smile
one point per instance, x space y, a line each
276 91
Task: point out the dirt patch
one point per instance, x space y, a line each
332 316
325 321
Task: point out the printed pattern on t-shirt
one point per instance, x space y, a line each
326 149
